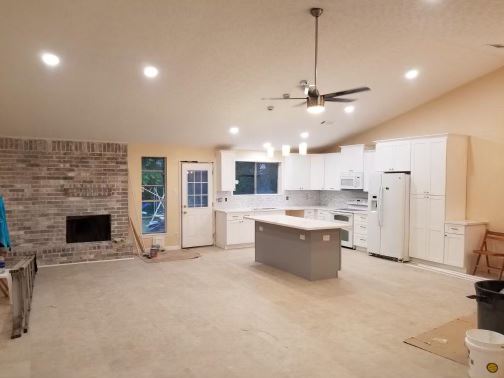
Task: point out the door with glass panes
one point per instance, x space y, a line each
197 211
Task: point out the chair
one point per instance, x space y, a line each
483 251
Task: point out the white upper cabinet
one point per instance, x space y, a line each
296 173
226 169
428 166
352 158
393 156
317 165
369 168
332 171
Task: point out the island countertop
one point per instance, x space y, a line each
298 223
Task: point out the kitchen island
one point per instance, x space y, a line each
308 248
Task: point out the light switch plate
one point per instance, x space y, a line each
326 237
261 228
302 236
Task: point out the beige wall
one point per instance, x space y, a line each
475 109
174 155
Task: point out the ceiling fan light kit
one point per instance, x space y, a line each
315 102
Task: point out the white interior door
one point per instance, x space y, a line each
197 209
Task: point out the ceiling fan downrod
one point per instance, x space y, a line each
316 12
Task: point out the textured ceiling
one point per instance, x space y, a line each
218 58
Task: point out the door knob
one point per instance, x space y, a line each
185 212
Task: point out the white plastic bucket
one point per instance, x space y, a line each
486 353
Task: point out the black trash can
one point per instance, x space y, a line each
490 305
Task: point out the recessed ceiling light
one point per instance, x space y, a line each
411 74
304 134
151 72
234 130
267 145
349 109
50 59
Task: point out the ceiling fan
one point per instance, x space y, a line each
315 101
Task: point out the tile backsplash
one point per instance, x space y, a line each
295 198
337 199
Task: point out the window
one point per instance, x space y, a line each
153 195
197 188
256 178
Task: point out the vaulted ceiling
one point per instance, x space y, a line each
218 58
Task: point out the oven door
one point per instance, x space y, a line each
346 234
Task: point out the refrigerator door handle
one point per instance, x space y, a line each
380 206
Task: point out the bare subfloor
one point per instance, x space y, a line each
222 315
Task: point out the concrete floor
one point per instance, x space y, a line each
222 315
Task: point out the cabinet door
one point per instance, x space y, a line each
317 172
420 167
419 206
296 172
332 165
436 228
454 250
227 171
236 232
352 158
437 167
369 168
401 156
384 157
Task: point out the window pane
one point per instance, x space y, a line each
267 178
153 217
152 193
197 176
204 176
197 188
152 178
190 201
190 188
152 164
197 201
190 176
204 188
245 177
204 201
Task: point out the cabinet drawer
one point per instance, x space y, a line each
360 218
237 216
360 228
360 241
454 229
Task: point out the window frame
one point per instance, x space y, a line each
164 198
278 191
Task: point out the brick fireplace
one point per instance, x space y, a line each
46 182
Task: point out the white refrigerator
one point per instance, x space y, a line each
388 219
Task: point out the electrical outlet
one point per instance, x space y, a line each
286 198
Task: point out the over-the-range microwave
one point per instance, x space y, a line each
352 180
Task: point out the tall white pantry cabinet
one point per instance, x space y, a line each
438 192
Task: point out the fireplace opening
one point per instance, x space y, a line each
88 228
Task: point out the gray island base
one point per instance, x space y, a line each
305 247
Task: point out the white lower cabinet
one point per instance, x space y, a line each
427 218
460 239
360 230
234 230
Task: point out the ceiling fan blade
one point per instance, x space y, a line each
283 98
347 92
300 104
339 99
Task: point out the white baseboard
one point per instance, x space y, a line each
86 262
447 272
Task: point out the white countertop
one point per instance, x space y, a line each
280 208
297 222
466 222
